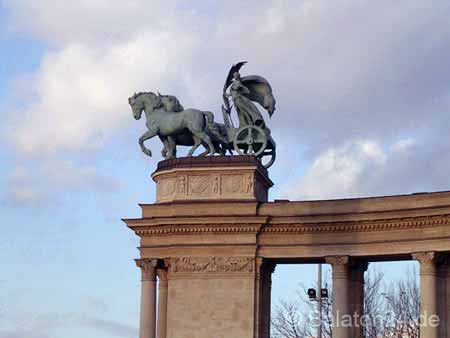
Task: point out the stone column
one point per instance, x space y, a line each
428 293
258 330
161 327
443 296
148 297
341 289
357 269
263 302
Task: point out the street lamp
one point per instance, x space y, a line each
318 296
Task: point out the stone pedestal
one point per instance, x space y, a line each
214 178
211 281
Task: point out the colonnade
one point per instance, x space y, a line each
348 296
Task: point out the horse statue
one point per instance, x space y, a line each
218 132
168 119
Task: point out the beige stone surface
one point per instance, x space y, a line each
209 303
214 239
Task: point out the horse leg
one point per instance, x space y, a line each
146 136
165 149
172 147
204 137
197 142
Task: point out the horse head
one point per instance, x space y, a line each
137 105
142 101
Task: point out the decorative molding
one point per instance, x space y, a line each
358 226
192 230
329 227
211 264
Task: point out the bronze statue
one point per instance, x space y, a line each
170 123
167 119
243 92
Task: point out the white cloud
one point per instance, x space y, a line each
82 92
44 183
337 171
360 70
331 65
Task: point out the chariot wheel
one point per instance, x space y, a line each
250 140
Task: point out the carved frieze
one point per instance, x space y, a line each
211 264
166 188
206 185
200 185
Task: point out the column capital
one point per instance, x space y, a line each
340 265
427 261
424 257
337 260
148 268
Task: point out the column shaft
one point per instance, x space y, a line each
443 296
267 269
161 328
148 298
341 288
358 269
428 294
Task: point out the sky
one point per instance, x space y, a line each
363 97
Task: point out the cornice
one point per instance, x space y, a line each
159 227
204 228
194 220
359 226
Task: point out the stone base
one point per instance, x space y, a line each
215 178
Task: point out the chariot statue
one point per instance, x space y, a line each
176 126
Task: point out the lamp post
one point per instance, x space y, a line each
319 303
317 296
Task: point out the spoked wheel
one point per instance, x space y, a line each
250 140
267 157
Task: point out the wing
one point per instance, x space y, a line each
260 91
234 68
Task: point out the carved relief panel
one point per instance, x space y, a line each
208 185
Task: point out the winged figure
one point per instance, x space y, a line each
244 91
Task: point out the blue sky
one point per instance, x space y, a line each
363 96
